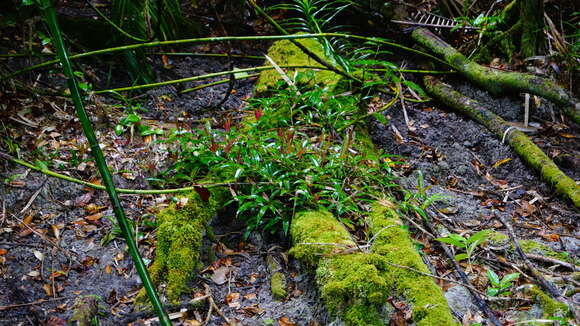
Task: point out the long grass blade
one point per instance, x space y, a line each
51 20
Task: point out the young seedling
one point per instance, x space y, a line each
500 286
468 244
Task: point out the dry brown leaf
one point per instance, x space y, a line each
250 296
253 310
285 321
220 275
501 162
47 289
83 199
93 208
233 300
94 217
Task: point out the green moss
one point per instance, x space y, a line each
285 53
550 307
499 239
317 233
278 285
393 243
537 248
179 242
354 288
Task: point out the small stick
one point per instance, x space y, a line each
478 301
18 305
33 197
540 279
554 261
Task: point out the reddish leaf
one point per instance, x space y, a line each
203 193
258 113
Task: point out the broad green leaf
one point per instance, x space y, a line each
119 130
461 257
492 292
493 278
479 236
451 242
509 278
380 118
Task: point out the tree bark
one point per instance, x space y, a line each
532 19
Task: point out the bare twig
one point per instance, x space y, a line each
539 278
554 261
37 302
33 197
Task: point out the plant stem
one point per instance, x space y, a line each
219 82
50 17
206 76
222 39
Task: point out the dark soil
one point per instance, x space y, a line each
57 256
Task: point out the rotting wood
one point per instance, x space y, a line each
499 82
523 146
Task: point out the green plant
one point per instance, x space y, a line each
285 165
418 201
132 120
468 244
50 18
317 16
500 286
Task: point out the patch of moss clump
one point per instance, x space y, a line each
278 285
499 239
317 233
354 288
179 238
392 242
284 53
550 307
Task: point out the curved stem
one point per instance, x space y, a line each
51 20
222 39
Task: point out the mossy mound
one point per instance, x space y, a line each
283 53
355 286
498 239
179 238
317 233
278 286
392 242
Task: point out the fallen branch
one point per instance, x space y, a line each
499 82
479 301
525 148
540 279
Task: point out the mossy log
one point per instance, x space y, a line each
499 82
181 229
523 146
354 284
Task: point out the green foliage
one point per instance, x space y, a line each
418 201
317 16
500 286
468 244
486 24
286 165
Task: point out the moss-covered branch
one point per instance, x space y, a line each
499 82
525 148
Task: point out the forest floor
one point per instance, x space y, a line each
52 231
